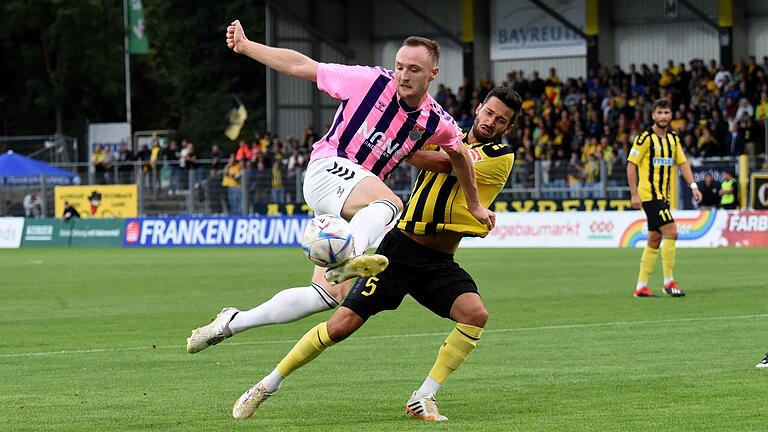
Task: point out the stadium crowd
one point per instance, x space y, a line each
570 126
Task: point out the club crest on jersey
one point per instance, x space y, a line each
416 133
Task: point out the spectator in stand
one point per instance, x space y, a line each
97 161
108 162
261 186
310 136
277 195
33 205
722 77
188 163
143 156
575 175
761 112
710 191
215 190
707 144
125 164
171 157
155 154
243 151
729 191
231 180
216 162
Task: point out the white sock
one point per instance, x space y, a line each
430 386
668 280
272 381
286 306
370 221
637 287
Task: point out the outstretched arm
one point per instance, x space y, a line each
285 61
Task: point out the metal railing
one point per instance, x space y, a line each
167 189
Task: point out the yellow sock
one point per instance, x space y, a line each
668 252
306 349
647 262
457 346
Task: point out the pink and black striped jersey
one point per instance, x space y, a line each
372 126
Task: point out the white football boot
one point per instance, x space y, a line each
213 333
249 401
424 408
763 363
358 266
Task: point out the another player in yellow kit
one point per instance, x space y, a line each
652 159
420 252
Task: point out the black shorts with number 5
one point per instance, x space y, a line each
432 278
658 214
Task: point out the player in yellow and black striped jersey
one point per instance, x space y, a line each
436 203
656 157
420 253
652 161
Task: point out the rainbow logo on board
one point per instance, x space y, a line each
688 229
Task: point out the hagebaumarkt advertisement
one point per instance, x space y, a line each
623 229
99 201
74 232
10 232
222 231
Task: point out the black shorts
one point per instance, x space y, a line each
432 278
658 214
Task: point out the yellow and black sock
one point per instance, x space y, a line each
668 252
647 262
311 345
457 346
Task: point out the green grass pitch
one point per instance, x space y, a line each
93 340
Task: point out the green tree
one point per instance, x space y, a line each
63 65
192 74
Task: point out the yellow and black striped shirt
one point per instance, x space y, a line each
656 158
438 204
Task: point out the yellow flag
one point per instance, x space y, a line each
236 117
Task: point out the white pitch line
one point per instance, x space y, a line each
504 330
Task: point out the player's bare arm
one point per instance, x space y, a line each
465 172
687 173
632 179
430 160
285 61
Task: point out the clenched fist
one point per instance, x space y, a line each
236 37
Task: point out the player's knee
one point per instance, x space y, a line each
478 317
672 236
397 202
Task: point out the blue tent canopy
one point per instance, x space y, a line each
18 170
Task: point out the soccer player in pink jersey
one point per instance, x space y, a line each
384 117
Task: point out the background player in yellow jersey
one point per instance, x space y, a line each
420 252
652 158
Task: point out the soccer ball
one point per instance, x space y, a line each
328 240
